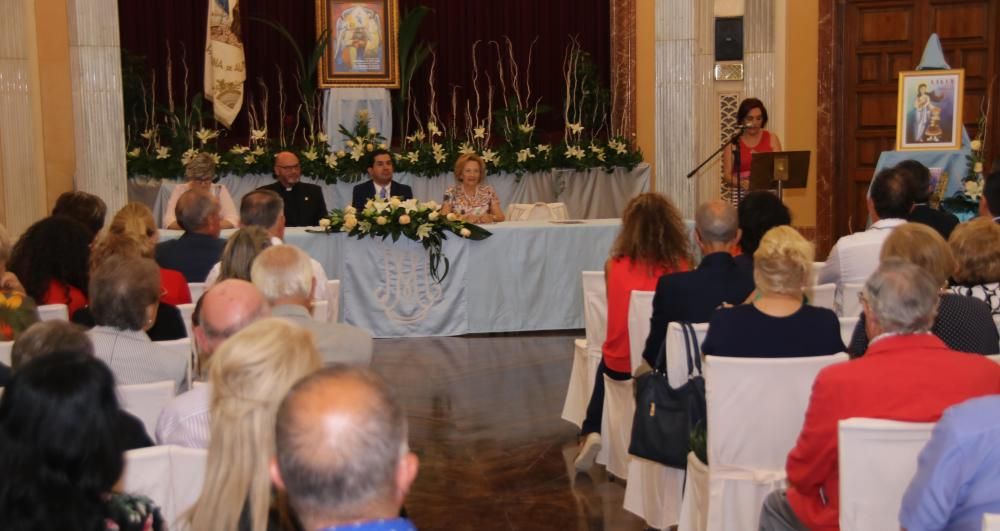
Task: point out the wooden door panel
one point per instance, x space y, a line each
885 25
960 20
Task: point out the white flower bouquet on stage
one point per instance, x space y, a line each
419 221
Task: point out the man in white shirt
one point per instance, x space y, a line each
224 310
856 256
265 209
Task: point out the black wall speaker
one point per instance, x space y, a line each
729 39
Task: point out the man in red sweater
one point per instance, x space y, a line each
906 374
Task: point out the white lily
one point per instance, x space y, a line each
466 148
543 148
239 149
576 128
135 152
357 153
489 156
432 128
258 134
322 137
440 158
524 154
188 155
331 161
215 158
363 115
310 154
206 134
162 152
479 132
148 133
575 152
424 230
526 128
413 156
259 151
250 159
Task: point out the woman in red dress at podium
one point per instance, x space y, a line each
754 139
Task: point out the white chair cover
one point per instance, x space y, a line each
616 426
677 368
146 401
756 407
536 211
878 458
584 371
171 476
182 347
187 310
850 306
640 309
817 267
5 347
694 507
823 296
991 522
197 290
333 293
53 312
321 310
994 357
847 325
653 492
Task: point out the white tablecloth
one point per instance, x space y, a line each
591 194
526 276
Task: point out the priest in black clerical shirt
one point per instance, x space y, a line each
304 203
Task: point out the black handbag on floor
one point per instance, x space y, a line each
664 416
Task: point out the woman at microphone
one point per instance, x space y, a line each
752 115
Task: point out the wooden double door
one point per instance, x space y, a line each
876 40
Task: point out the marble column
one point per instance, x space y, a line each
98 115
22 189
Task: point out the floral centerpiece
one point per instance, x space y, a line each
419 221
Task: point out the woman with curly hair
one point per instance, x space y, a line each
51 260
60 451
653 242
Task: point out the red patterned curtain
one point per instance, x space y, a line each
148 28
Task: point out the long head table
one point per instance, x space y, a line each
526 276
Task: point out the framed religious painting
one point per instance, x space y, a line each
929 115
362 48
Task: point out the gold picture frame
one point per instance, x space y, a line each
362 49
929 111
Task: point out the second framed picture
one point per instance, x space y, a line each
362 50
929 115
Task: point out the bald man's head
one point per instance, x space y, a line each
227 308
341 448
717 226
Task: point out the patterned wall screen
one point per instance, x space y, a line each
728 105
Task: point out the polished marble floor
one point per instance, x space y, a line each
485 420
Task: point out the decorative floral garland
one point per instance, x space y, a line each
419 221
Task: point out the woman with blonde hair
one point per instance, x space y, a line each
240 251
963 323
135 222
653 242
250 373
200 174
777 322
976 246
470 198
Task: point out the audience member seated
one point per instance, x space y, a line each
265 209
135 220
693 296
470 198
83 207
381 186
652 242
48 337
241 249
222 311
250 374
17 309
125 293
169 323
759 212
200 175
963 323
907 374
194 252
989 201
855 256
976 247
341 452
50 260
777 323
957 471
61 454
304 202
284 276
919 178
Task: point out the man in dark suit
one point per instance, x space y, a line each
693 296
381 185
919 178
199 248
304 203
989 202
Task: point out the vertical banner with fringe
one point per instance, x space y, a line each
225 67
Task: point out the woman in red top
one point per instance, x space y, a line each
50 259
753 115
653 242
